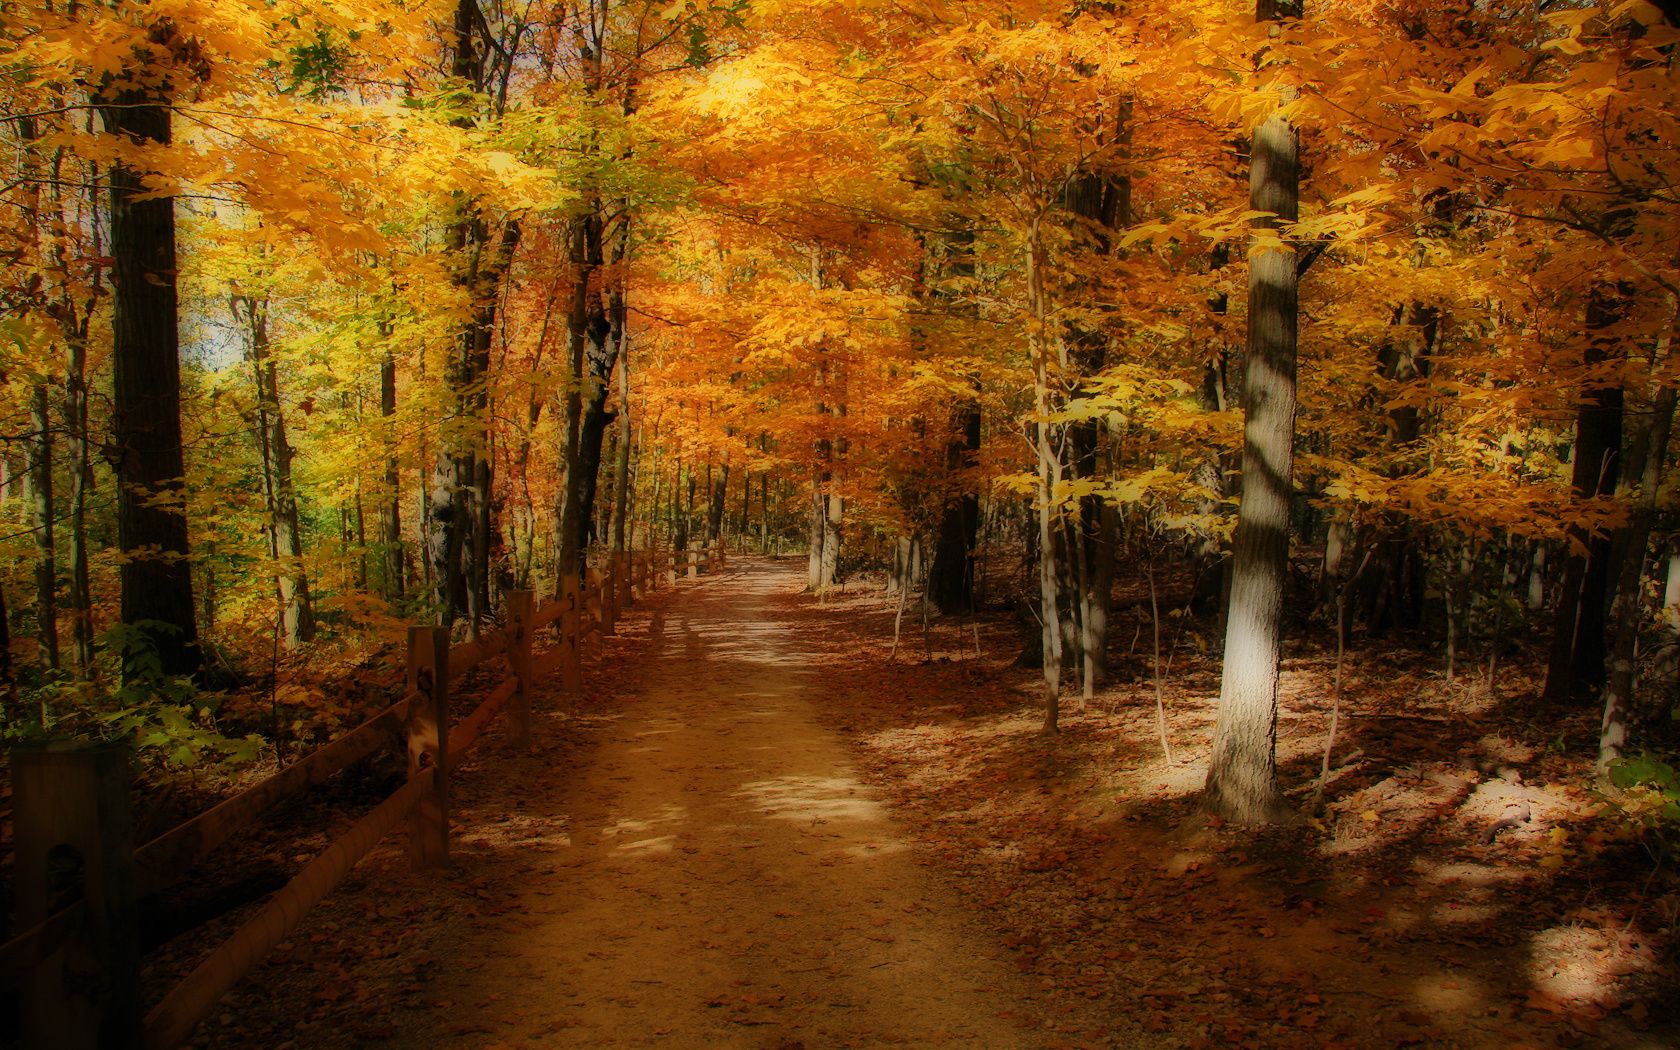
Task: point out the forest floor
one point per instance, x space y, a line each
756 829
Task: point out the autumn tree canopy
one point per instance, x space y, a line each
320 320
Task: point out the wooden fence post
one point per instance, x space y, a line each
74 839
521 605
428 744
693 563
571 625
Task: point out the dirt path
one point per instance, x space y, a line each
695 862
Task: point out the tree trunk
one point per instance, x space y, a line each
392 516
1576 668
285 539
594 351
81 477
764 512
720 492
831 566
1049 476
950 585
462 517
1627 614
1101 202
1242 776
46 559
8 682
156 571
621 477
950 581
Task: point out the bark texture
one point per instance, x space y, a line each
1242 776
1577 665
1628 613
156 574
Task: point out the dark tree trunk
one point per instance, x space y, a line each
621 476
391 540
720 492
950 579
156 573
8 686
594 352
1393 592
45 511
1628 613
81 479
950 583
1242 776
1577 665
596 420
459 540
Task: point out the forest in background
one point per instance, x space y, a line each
318 322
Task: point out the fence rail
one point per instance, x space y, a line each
79 877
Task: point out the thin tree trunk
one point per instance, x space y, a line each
46 558
392 538
621 479
1160 687
81 478
1049 479
285 539
720 493
1101 202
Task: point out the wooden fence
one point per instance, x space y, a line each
76 965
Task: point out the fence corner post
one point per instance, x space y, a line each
73 832
428 744
521 605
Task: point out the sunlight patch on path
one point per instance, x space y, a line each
813 798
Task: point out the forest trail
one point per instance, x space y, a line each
703 867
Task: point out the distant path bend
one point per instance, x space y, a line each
713 871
